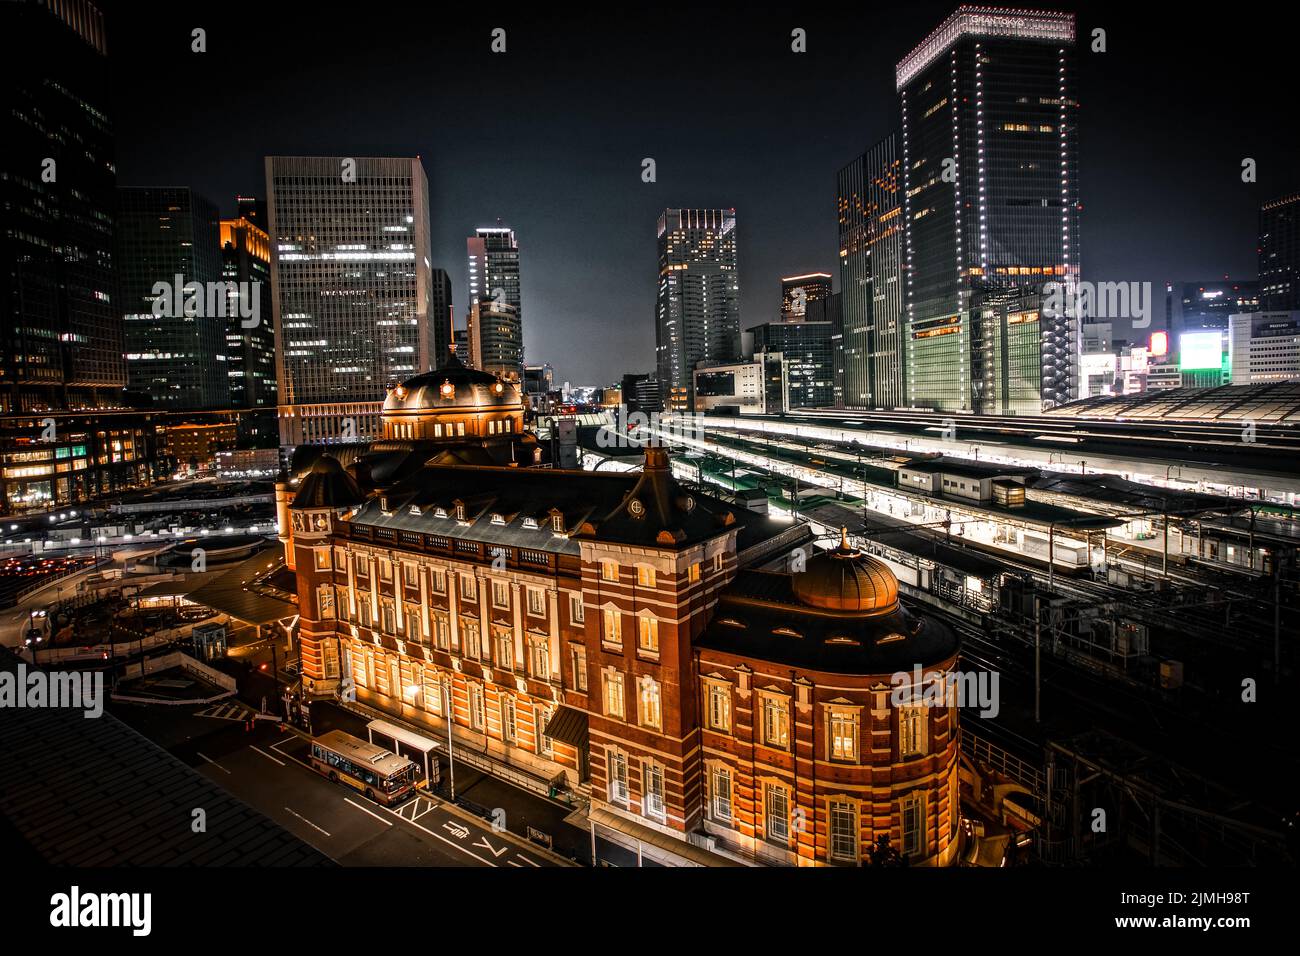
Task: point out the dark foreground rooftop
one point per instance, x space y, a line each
78 791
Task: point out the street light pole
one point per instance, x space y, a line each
449 710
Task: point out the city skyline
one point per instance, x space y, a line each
578 194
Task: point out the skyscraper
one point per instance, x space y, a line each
494 289
441 316
872 345
168 238
990 186
351 280
250 341
495 339
798 291
697 316
60 329
1279 254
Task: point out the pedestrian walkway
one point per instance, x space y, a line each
225 711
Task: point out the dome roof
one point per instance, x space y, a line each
327 485
453 386
847 581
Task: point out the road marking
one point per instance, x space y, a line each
459 831
305 820
267 755
211 761
483 842
439 836
528 861
387 823
512 862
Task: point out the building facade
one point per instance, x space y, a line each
1279 254
798 291
171 297
1264 347
495 318
1207 305
442 317
604 632
61 334
755 386
807 347
351 278
873 337
989 147
250 339
697 312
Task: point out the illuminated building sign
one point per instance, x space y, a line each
1200 351
1159 343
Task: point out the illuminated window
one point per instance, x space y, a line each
693 572
776 721
842 731
776 813
911 731
609 570
651 706
614 706
719 706
652 778
720 795
645 576
612 622
616 765
577 613
647 638
579 655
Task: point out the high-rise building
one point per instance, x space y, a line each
798 291
990 198
250 338
60 331
871 347
172 298
1207 305
442 316
807 348
831 311
351 281
494 295
641 392
1279 254
460 344
697 317
1264 347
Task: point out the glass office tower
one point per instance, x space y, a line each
250 341
60 331
351 280
868 205
1279 254
172 235
990 184
495 301
697 313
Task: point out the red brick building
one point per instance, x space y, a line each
613 633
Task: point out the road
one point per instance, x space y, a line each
266 768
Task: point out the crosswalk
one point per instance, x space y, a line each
228 710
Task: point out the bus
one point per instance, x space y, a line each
380 774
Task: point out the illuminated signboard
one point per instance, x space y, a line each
1159 343
1200 351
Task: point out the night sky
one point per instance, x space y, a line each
550 136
